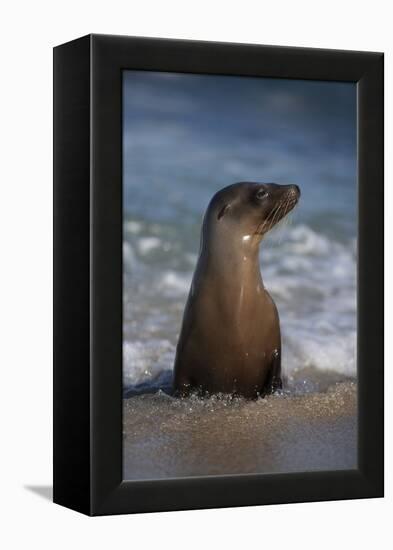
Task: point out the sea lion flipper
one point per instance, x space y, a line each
274 381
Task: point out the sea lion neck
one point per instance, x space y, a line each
232 260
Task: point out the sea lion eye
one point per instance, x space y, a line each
262 194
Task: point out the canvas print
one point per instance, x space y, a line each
239 275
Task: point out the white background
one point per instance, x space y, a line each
29 30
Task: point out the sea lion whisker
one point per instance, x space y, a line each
285 224
272 214
276 215
273 217
271 222
286 207
283 220
261 226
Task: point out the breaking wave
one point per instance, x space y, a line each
312 278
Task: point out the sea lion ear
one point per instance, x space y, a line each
222 211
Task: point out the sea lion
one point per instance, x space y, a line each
230 338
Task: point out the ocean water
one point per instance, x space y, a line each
185 137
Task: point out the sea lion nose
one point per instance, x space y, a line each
296 188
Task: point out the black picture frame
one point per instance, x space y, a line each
88 274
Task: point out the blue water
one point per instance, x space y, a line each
185 137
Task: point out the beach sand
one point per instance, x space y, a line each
166 437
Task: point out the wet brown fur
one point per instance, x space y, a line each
230 337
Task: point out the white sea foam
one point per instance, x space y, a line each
147 244
175 284
311 277
133 226
129 259
313 281
146 361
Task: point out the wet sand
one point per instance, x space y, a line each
166 437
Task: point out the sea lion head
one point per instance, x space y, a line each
251 209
